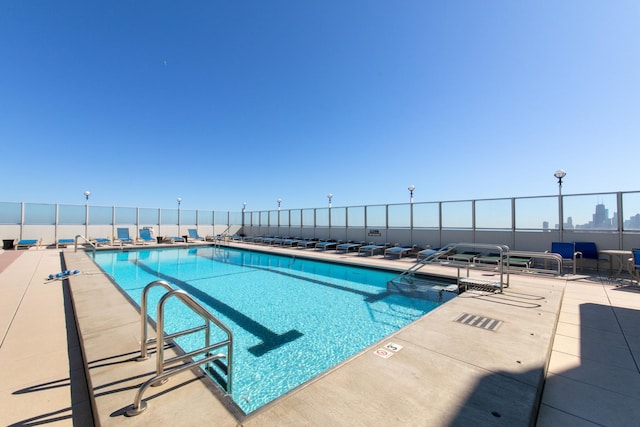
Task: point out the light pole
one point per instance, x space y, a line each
330 196
411 188
179 201
244 209
560 173
86 214
279 201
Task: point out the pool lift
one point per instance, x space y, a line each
412 284
213 362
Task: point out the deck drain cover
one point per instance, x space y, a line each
479 321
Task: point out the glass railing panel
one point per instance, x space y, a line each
74 214
426 215
322 217
187 217
169 216
355 216
631 211
309 218
296 218
338 217
377 216
537 213
590 212
457 214
493 214
40 214
146 216
399 216
205 217
10 213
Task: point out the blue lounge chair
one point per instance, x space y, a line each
123 236
346 247
304 244
26 243
400 251
371 249
145 236
64 242
99 241
193 234
568 253
326 245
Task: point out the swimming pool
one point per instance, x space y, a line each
291 318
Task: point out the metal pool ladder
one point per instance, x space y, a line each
209 360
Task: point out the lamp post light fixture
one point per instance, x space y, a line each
330 196
279 201
411 188
86 214
559 174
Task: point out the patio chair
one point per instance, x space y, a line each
589 251
26 243
64 242
123 236
326 245
193 234
145 236
568 253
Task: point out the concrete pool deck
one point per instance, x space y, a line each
579 331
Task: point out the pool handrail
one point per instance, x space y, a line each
162 376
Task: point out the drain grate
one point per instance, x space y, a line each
479 321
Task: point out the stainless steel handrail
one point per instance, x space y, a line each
433 258
75 248
161 363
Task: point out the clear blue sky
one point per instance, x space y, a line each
221 102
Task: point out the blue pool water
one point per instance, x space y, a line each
291 318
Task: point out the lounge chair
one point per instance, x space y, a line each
99 241
400 251
371 249
325 245
193 234
568 253
64 242
425 253
304 244
468 257
145 236
26 243
346 247
123 236
514 261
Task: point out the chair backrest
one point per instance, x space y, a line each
123 233
564 249
193 233
145 234
588 249
636 258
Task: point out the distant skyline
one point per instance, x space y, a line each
221 103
